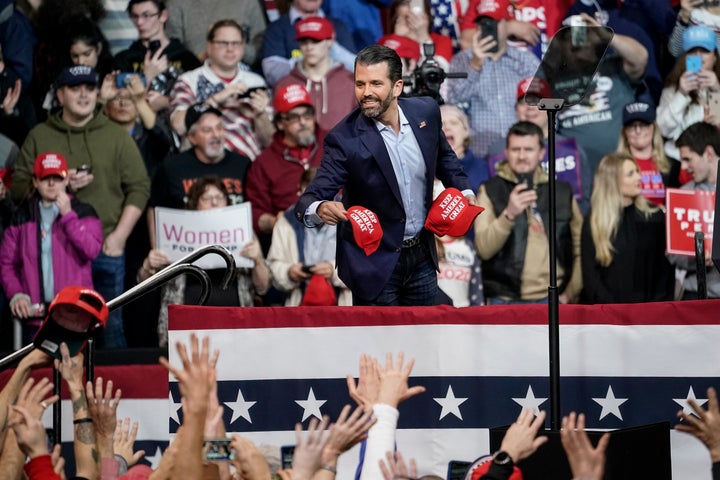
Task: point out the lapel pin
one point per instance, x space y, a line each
422 124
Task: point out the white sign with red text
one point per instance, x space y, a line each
179 232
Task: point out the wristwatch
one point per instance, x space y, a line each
502 458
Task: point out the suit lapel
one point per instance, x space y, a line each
373 141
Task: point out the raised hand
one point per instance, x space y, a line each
520 440
586 461
394 381
124 442
705 424
365 392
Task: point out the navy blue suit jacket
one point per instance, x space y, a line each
356 161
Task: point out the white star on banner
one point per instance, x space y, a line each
450 404
530 402
610 404
683 402
240 407
311 406
155 459
174 407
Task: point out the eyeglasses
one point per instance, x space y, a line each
638 127
209 198
121 98
143 16
307 115
226 44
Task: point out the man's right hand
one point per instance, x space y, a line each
520 199
79 180
332 213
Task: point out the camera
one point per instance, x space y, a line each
428 76
84 168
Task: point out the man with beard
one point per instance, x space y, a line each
273 181
208 156
384 156
511 236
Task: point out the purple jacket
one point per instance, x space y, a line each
76 240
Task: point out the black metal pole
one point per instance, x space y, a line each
552 106
57 407
700 265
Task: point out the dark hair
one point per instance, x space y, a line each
525 129
375 54
82 29
225 22
673 78
399 3
198 188
698 136
160 4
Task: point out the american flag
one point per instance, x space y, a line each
621 365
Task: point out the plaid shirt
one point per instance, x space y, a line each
488 96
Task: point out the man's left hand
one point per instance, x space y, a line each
113 245
471 199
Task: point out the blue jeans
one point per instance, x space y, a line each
412 282
109 280
500 301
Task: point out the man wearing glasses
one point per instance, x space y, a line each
274 177
225 83
156 56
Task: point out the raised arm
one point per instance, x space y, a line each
71 369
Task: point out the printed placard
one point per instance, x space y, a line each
688 211
179 232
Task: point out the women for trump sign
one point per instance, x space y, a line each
179 232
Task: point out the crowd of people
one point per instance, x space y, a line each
307 108
103 444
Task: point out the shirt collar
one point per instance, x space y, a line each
403 121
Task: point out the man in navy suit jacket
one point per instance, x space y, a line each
384 156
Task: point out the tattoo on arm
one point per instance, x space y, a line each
85 433
95 456
80 403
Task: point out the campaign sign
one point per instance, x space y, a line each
567 164
179 232
688 211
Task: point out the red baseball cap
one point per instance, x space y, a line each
451 214
537 87
497 9
56 329
50 163
366 228
405 47
291 96
319 293
481 466
317 28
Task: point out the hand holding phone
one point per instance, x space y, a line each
693 63
489 28
217 449
307 269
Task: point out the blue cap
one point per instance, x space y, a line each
699 36
641 111
77 75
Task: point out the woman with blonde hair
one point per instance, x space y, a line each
641 139
623 239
